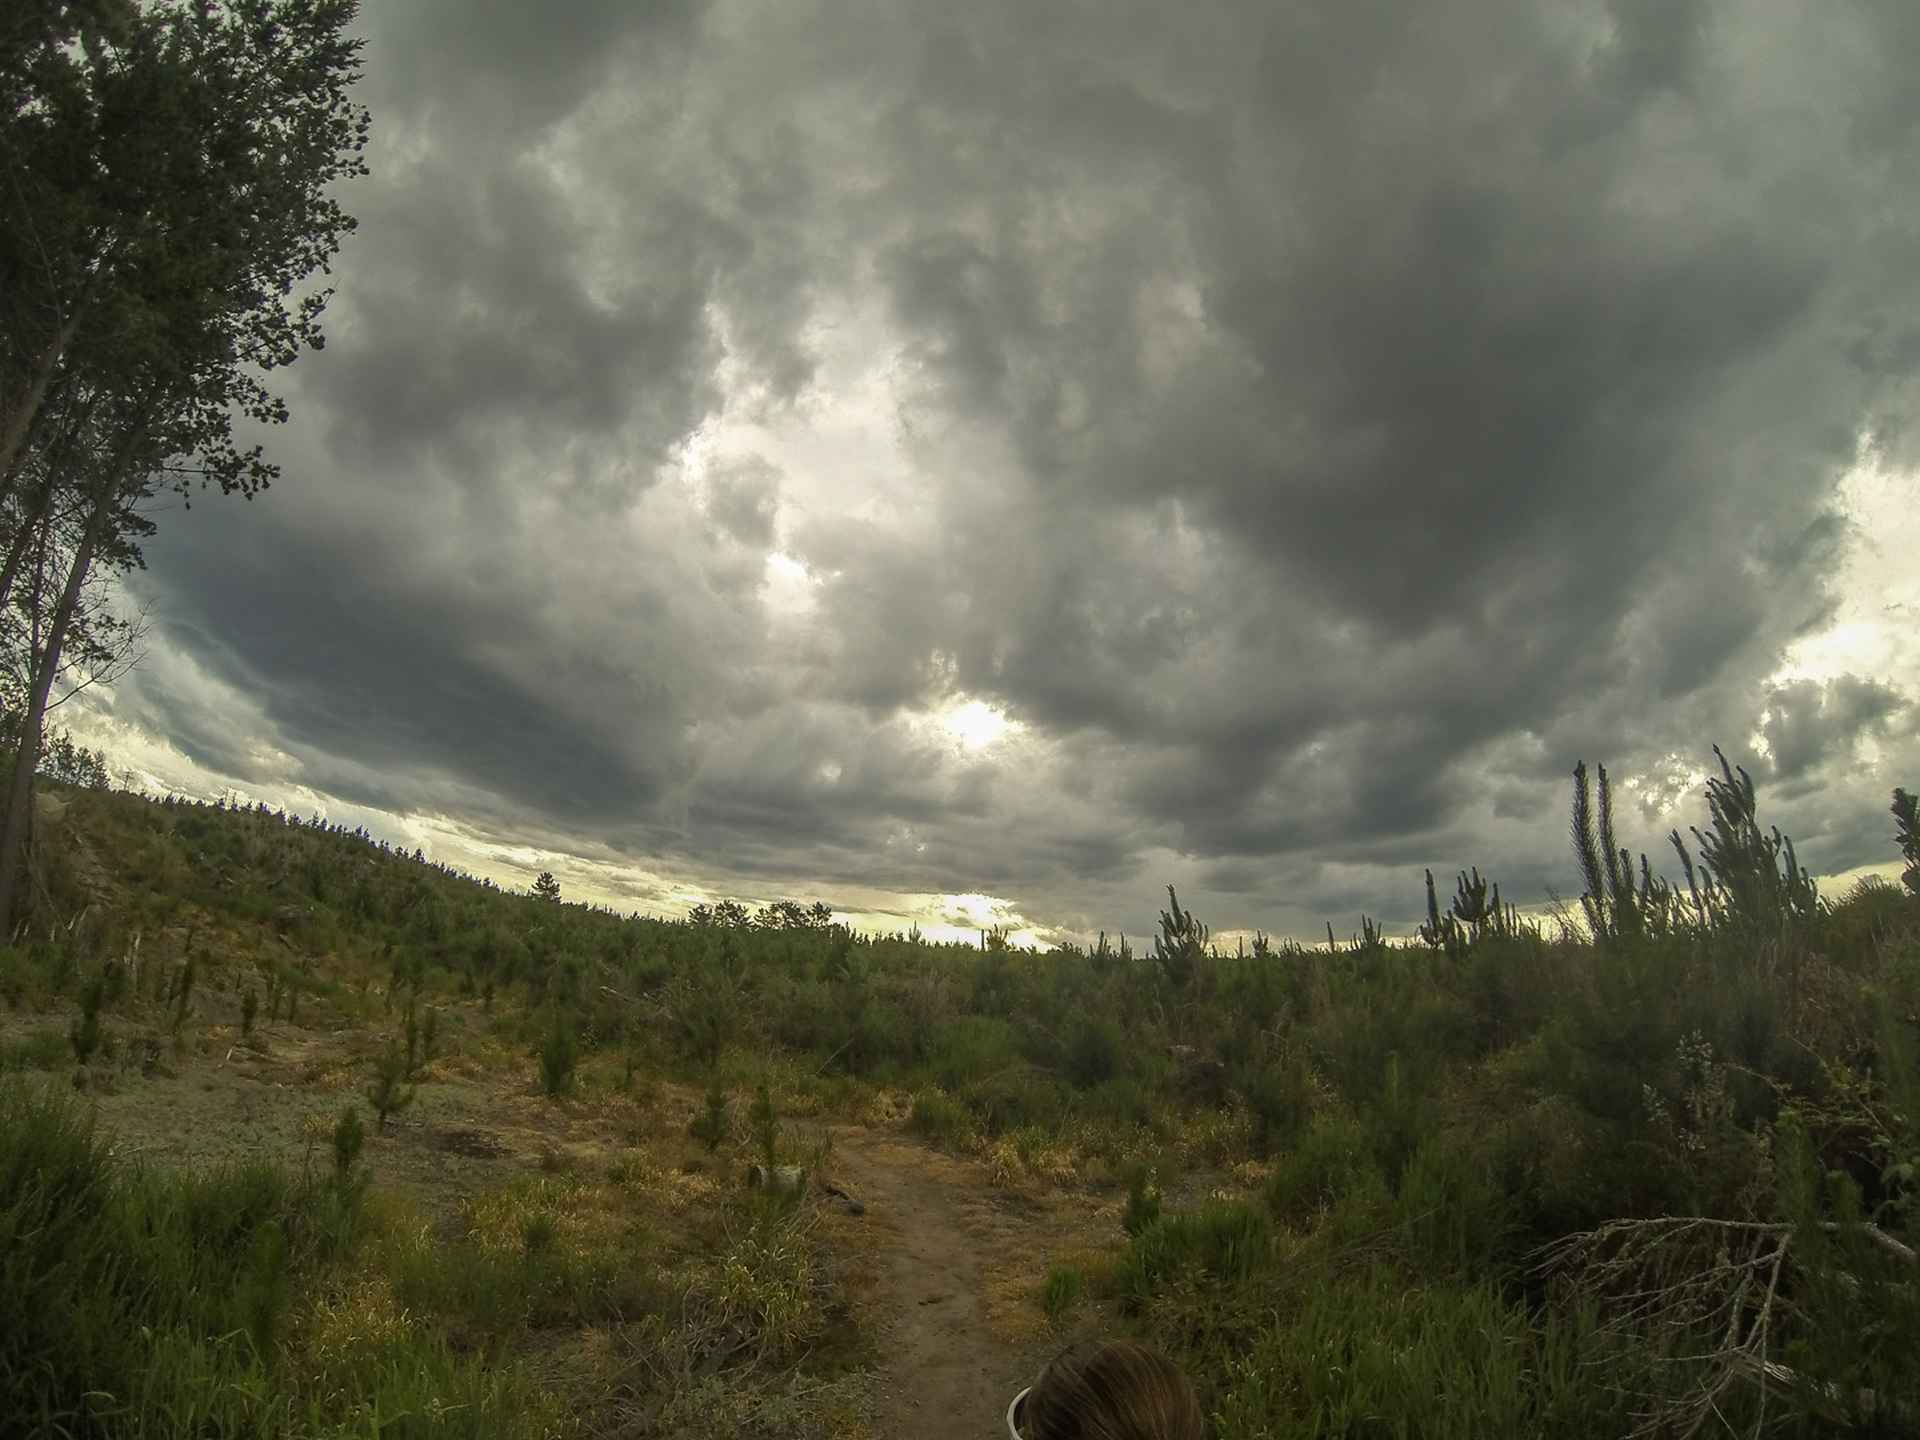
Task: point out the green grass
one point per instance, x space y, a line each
142 1300
941 1119
1373 1356
48 1048
1061 1291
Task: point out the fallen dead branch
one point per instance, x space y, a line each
1705 1296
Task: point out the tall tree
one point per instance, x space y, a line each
172 165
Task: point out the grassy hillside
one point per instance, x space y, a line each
1655 1172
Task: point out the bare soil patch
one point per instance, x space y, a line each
953 1267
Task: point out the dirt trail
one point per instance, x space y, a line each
945 1374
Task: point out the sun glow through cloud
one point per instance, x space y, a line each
976 724
1872 631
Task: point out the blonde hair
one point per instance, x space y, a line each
1111 1390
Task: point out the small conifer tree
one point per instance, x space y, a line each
413 1037
349 1135
558 1054
765 1121
389 1092
710 1126
183 991
546 887
1181 948
85 1033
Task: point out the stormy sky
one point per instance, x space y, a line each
983 463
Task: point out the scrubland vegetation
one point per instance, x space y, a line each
1648 1170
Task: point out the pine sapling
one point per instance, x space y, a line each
388 1092
413 1037
558 1055
85 1033
710 1126
183 991
349 1135
765 1122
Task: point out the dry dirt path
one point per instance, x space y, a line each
945 1372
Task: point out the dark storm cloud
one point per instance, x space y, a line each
1318 425
1807 723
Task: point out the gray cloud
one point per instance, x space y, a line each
1317 425
1807 723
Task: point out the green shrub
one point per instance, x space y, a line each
43 1049
1095 1048
1450 1210
1280 1097
1334 1156
538 1233
1125 1101
1061 1291
970 1049
1220 1244
942 1119
1015 1099
1372 1355
1143 1201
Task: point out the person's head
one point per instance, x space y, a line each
1110 1390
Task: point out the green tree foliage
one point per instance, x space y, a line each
545 887
1749 878
1181 947
1906 818
171 171
1618 906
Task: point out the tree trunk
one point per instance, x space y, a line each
47 665
19 418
